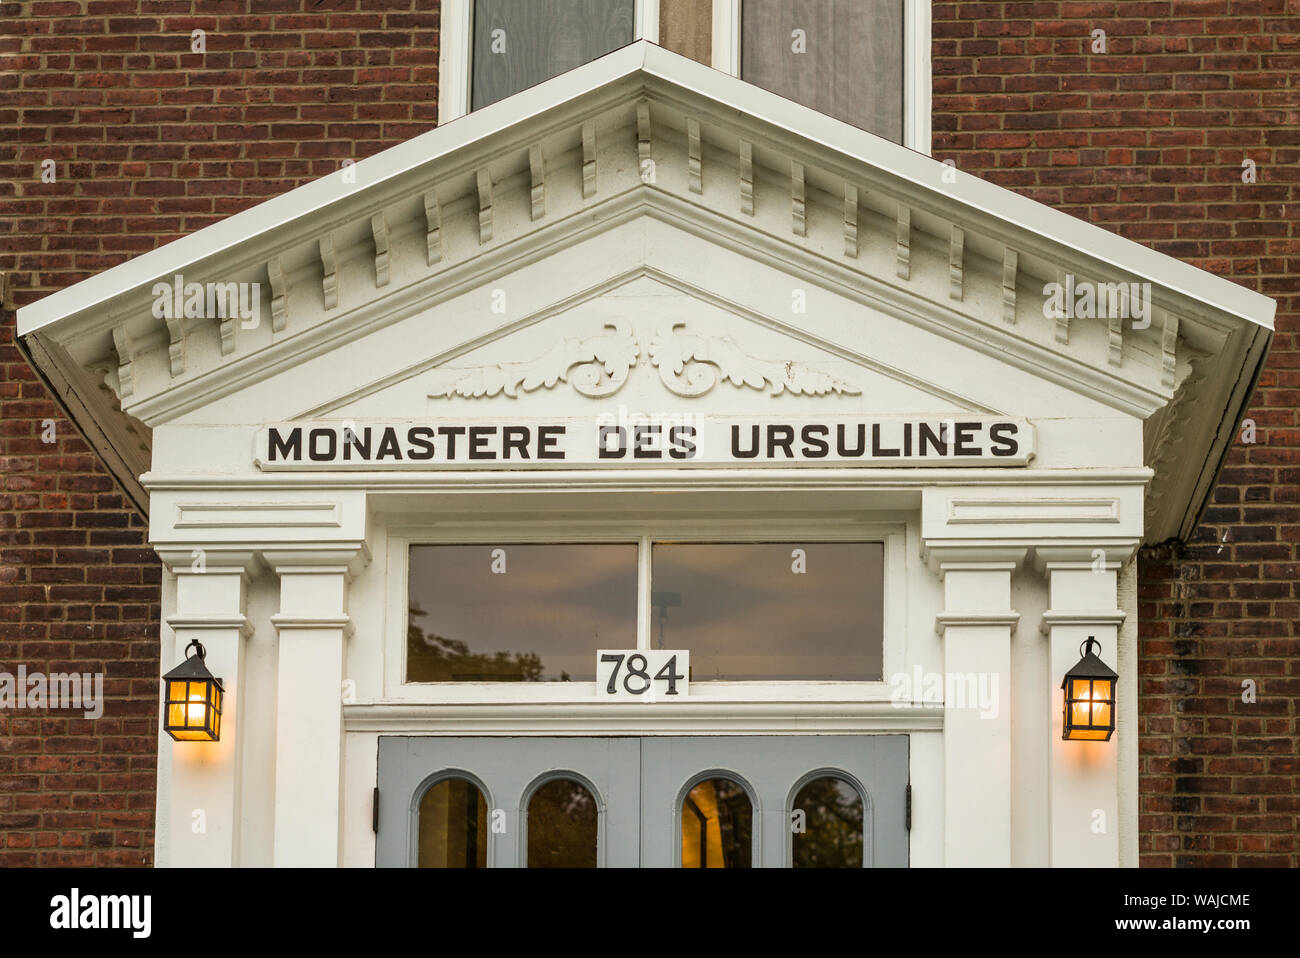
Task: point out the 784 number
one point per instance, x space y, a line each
636 675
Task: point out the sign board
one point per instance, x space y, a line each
645 442
643 675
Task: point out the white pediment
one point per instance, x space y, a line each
648 346
923 289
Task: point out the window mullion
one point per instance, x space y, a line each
647 20
644 595
726 36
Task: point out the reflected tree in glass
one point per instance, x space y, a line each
562 825
528 612
832 825
434 658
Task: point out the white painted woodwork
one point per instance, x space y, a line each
976 623
1082 782
205 787
313 626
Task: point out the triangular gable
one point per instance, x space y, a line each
644 133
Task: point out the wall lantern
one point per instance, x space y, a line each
1089 697
192 710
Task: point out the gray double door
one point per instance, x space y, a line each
657 801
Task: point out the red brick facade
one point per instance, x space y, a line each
1148 139
151 141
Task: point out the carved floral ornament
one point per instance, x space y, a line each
689 365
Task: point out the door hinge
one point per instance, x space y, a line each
374 812
909 806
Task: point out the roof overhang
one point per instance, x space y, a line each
1189 377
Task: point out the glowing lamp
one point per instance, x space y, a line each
192 706
1089 697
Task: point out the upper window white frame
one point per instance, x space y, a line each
456 37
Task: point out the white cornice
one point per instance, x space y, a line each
308 236
645 65
768 479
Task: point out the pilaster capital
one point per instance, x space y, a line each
345 558
201 558
944 556
1005 618
284 622
1088 618
211 622
1110 555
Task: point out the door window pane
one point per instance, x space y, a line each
717 825
686 27
520 43
771 610
562 825
518 613
840 57
829 811
453 826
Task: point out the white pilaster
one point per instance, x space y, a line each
1083 777
313 627
204 795
976 624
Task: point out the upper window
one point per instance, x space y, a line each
749 611
518 613
840 57
520 43
865 62
762 610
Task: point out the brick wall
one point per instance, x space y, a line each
1147 139
150 141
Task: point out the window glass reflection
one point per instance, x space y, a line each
518 613
841 57
453 826
520 43
783 610
562 825
717 825
826 825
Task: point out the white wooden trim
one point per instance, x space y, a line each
647 20
788 718
917 79
455 50
726 36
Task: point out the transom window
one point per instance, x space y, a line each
746 611
862 61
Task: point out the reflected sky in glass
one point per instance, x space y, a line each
542 619
745 613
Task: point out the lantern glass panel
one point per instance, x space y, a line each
193 710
